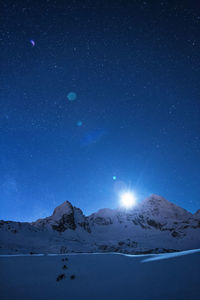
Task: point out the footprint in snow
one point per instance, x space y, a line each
60 277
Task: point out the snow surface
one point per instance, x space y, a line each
101 277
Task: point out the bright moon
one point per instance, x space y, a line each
127 199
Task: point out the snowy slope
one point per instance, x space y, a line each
197 214
103 276
153 226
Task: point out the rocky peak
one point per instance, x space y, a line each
65 208
64 217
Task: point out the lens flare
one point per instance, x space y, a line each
71 96
32 42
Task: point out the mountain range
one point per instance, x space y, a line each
152 226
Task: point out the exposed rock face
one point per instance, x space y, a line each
63 216
85 225
155 225
67 221
101 221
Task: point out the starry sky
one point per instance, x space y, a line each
97 97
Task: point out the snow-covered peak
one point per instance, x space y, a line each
65 208
103 216
158 206
105 212
154 207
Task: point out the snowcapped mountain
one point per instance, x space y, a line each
154 225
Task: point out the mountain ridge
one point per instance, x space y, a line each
154 225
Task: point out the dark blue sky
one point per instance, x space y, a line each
135 68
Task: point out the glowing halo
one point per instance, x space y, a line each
127 199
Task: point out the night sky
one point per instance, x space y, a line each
97 97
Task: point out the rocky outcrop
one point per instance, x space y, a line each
67 221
